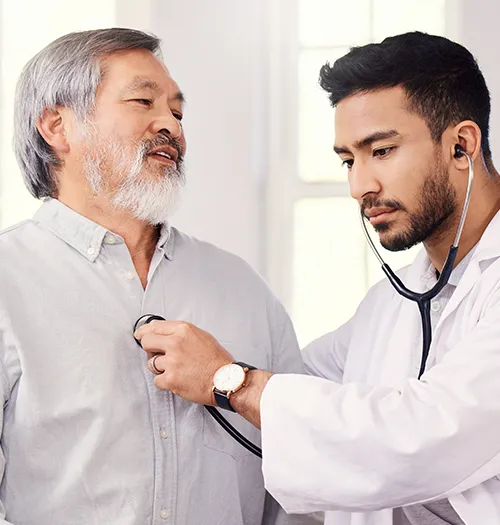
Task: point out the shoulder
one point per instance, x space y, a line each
15 231
210 259
17 238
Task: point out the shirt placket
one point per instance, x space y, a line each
163 422
160 402
165 464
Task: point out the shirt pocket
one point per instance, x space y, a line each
217 438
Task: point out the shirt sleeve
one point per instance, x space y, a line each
357 447
275 515
4 396
286 356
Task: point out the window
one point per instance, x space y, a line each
318 262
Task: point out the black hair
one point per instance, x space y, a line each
441 78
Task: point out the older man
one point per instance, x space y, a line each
86 437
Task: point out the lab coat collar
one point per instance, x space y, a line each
487 248
489 244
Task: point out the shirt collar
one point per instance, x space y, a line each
84 235
429 277
166 240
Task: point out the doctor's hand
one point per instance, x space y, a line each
183 357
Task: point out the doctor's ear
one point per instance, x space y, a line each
466 138
51 126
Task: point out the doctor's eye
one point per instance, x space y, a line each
348 163
382 152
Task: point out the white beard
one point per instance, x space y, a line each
148 199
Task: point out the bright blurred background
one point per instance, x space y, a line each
263 180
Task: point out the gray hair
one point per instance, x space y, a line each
65 73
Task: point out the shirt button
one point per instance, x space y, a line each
110 239
91 251
130 275
435 306
164 514
164 433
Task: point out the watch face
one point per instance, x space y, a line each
229 377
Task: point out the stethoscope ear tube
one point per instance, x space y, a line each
221 420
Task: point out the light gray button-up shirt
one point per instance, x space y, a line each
87 439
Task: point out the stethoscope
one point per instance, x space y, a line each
423 300
223 422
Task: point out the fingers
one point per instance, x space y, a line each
154 344
161 328
155 367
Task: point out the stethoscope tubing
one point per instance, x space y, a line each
423 300
219 418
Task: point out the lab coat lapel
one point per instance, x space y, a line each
465 285
404 336
488 247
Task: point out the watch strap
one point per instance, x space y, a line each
245 365
223 401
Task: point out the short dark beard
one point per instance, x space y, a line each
437 205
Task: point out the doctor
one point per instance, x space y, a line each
366 439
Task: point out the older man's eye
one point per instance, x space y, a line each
143 101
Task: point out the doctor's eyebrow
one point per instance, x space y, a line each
367 141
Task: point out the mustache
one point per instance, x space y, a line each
374 202
162 140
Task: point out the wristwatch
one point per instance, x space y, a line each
228 380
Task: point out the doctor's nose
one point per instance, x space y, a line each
362 181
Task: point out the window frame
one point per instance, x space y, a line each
284 186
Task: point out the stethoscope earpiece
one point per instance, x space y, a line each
459 151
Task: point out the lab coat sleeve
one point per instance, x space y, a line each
326 356
357 447
4 396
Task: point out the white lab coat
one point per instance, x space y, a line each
384 439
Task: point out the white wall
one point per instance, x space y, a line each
216 51
36 24
478 31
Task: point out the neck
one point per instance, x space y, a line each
140 238
484 204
